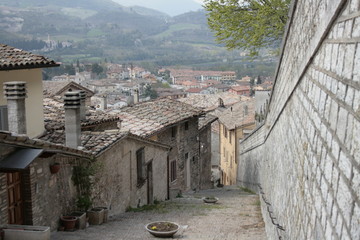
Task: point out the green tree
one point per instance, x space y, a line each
149 92
96 68
247 24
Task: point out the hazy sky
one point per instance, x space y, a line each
171 7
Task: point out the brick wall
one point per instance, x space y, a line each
304 160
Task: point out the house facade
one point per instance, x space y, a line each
177 125
235 122
18 65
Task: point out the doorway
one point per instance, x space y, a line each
15 199
150 190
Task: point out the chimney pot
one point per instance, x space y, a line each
72 119
15 94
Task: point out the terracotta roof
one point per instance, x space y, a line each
211 101
24 141
12 58
147 118
54 115
97 143
50 88
240 88
76 87
237 115
194 90
207 119
92 142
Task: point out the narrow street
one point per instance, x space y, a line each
236 216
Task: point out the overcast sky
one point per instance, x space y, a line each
171 7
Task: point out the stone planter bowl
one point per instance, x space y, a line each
162 234
210 200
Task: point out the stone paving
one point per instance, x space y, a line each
236 216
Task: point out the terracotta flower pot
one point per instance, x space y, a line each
55 168
68 222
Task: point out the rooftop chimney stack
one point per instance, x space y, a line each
103 103
82 105
136 96
15 93
72 119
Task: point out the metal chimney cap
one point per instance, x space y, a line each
72 100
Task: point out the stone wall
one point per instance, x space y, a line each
116 184
49 195
186 141
205 158
304 160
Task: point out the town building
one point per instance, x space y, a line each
235 123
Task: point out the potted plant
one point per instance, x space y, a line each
96 216
210 199
163 229
54 168
68 222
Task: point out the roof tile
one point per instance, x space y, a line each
12 58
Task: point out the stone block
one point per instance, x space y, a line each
348 29
356 28
355 223
349 61
345 201
356 71
334 55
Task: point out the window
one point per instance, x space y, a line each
173 132
186 155
225 131
140 166
230 135
173 170
4 118
186 125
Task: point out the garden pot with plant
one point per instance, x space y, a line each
68 222
210 199
163 229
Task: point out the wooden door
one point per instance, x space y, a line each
15 201
150 190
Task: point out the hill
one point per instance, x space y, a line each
102 30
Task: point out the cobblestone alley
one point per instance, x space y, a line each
236 216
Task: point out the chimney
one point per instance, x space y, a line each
246 110
72 119
82 105
136 96
103 102
15 93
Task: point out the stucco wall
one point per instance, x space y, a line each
34 101
304 160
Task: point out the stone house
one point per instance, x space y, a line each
134 169
240 90
176 124
18 65
30 194
235 122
